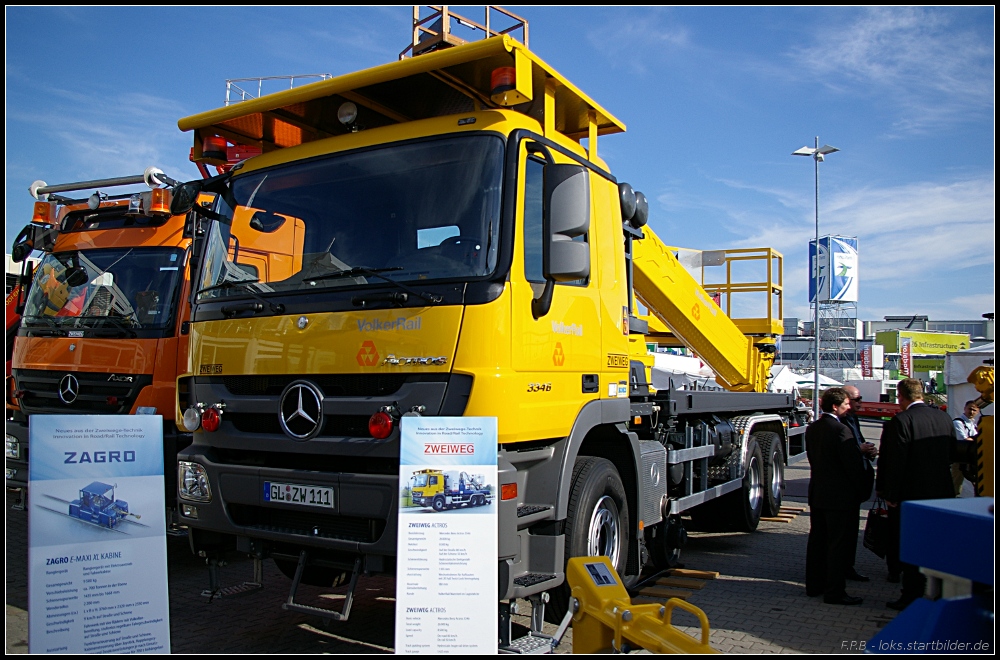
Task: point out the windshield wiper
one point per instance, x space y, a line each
53 328
376 272
122 324
228 284
245 285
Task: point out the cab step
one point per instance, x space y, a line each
531 513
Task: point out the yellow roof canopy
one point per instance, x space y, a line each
449 81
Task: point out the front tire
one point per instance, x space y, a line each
439 504
597 523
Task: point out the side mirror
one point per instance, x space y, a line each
565 216
23 244
185 197
77 277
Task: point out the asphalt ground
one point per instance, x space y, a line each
757 605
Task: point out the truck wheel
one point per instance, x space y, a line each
774 470
746 504
597 523
439 504
316 576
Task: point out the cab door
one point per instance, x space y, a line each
551 354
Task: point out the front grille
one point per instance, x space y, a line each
307 523
354 426
311 462
331 384
41 392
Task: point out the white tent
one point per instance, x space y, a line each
957 367
783 379
681 371
808 381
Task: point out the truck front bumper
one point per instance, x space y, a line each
16 469
361 521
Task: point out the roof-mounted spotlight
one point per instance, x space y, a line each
94 201
347 113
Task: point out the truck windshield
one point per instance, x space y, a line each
121 288
419 481
427 210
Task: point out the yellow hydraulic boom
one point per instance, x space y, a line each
741 359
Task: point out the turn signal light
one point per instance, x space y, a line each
380 425
503 79
159 203
44 213
214 147
210 419
508 491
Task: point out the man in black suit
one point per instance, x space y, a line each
915 464
851 421
838 484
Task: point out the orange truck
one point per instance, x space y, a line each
104 326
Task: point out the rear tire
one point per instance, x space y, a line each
745 505
774 470
597 523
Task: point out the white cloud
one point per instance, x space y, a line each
913 58
628 40
99 134
926 230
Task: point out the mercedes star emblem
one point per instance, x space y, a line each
69 389
300 410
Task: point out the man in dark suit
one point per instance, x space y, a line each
915 464
838 484
851 421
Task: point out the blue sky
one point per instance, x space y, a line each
715 100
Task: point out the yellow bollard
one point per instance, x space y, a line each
984 457
604 618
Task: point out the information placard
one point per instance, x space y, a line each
446 576
97 550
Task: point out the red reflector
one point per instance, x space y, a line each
112 401
380 425
508 491
210 419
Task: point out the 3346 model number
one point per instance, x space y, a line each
539 387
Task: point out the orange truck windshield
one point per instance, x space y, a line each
132 290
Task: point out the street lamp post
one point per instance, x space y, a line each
818 154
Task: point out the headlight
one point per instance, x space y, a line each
192 482
191 419
12 448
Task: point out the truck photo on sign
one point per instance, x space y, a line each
447 572
97 549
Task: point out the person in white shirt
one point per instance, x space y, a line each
965 431
965 426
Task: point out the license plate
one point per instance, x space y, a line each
298 494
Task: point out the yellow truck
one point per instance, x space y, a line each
466 252
441 490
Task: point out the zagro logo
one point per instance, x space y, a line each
442 448
558 357
368 354
127 456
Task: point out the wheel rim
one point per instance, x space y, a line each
755 492
603 537
777 477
